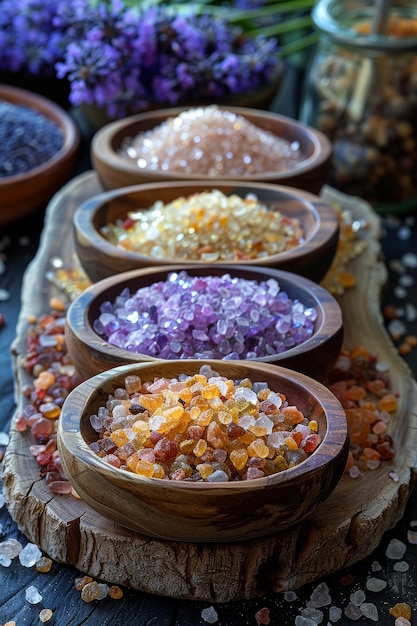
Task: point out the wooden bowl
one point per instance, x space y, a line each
100 258
116 171
23 193
315 357
203 511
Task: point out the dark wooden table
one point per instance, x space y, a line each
18 245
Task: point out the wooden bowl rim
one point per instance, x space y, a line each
54 113
310 204
78 320
333 443
102 145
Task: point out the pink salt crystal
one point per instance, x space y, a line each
262 616
60 486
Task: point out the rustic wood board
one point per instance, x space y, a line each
342 531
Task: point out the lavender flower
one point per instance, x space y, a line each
124 60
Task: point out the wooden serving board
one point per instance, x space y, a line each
342 531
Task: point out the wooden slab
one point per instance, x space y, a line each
345 529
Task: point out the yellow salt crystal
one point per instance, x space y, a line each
115 592
144 468
132 383
141 426
57 304
43 565
246 382
132 461
205 417
45 615
205 470
291 443
281 463
313 426
158 471
388 403
210 391
79 583
150 401
44 380
401 609
224 417
194 412
120 437
200 448
258 430
247 438
258 449
241 404
50 410
263 394
185 395
187 446
239 458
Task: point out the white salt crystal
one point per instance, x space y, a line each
290 596
5 560
396 328
410 312
335 613
353 612
29 555
320 596
401 566
403 233
354 471
394 476
10 547
409 260
32 595
400 292
1 500
300 620
357 597
4 439
406 280
209 615
313 614
413 523
395 549
4 295
402 621
375 584
376 566
102 591
370 611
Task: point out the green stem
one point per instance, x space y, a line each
296 46
282 27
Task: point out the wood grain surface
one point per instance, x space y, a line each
342 531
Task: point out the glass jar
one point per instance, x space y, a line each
361 91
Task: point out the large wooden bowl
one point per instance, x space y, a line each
117 171
23 193
100 258
202 511
315 357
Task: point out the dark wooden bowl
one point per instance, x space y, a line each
23 193
101 259
315 357
202 511
117 171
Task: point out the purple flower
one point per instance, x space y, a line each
124 60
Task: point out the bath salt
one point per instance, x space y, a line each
206 317
204 428
212 142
